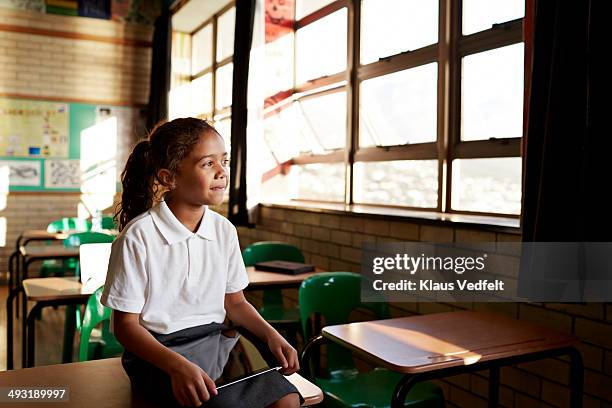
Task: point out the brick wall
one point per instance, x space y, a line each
68 59
333 242
103 61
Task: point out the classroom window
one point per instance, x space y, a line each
320 182
389 27
398 182
438 126
492 94
487 185
225 34
210 47
201 51
321 47
399 108
479 15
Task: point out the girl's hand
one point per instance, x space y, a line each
285 354
190 384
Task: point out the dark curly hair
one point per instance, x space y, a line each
167 145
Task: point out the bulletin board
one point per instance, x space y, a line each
40 141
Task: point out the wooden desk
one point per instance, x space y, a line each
104 384
44 292
264 280
444 344
22 240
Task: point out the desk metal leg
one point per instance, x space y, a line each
493 387
576 378
313 344
69 325
30 334
9 325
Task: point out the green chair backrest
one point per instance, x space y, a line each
264 251
69 224
334 295
271 251
96 313
90 237
108 223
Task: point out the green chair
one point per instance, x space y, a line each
73 313
105 345
55 267
69 225
273 309
334 296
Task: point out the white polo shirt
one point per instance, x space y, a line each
174 278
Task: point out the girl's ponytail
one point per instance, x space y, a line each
138 184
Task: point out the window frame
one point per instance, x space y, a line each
215 65
448 52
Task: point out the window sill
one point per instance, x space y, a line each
484 222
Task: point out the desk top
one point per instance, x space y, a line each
43 289
103 383
42 235
49 252
268 279
424 343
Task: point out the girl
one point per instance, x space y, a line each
176 270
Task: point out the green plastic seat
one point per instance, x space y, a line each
105 345
55 267
273 310
333 296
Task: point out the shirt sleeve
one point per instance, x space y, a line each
237 278
126 279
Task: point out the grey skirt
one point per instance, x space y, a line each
216 354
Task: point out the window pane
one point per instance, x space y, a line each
487 185
201 50
325 120
479 15
492 94
411 183
321 47
389 27
399 108
283 136
318 181
179 102
225 34
224 127
224 86
279 65
306 7
201 95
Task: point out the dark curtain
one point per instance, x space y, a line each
245 15
566 147
160 70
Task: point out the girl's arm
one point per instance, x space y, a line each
190 384
242 313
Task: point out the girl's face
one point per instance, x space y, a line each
201 178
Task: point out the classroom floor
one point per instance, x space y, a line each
49 335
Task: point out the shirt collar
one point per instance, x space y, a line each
174 231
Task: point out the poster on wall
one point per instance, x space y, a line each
33 5
34 128
279 18
62 174
20 172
